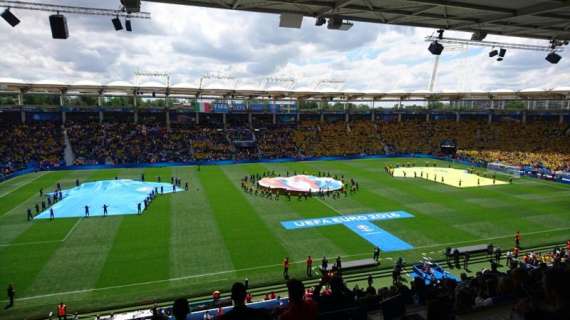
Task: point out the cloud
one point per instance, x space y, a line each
188 42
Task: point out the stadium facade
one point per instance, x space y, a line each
86 96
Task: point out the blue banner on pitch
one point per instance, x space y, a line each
377 236
329 221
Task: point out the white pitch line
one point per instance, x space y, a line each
244 269
331 207
17 185
28 243
71 230
493 238
97 289
155 281
241 270
41 242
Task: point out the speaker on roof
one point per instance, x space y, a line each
117 23
553 58
10 18
290 20
334 23
58 24
435 48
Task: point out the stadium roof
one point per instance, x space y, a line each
539 19
182 90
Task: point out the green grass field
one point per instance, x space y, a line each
191 243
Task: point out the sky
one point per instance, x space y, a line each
188 42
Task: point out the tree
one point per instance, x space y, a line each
41 99
514 105
308 105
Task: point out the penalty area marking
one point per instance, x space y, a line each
71 230
46 241
18 185
250 269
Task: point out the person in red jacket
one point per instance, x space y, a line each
61 311
309 266
517 239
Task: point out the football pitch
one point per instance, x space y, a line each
191 243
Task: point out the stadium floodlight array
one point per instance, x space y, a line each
58 22
554 46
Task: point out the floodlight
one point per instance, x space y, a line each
493 53
128 26
320 21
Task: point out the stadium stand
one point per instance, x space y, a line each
542 146
40 144
532 287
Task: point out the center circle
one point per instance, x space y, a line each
301 183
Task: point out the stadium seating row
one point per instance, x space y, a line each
533 286
536 144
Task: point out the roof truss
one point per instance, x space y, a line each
542 19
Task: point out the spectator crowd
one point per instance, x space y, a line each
531 287
538 144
